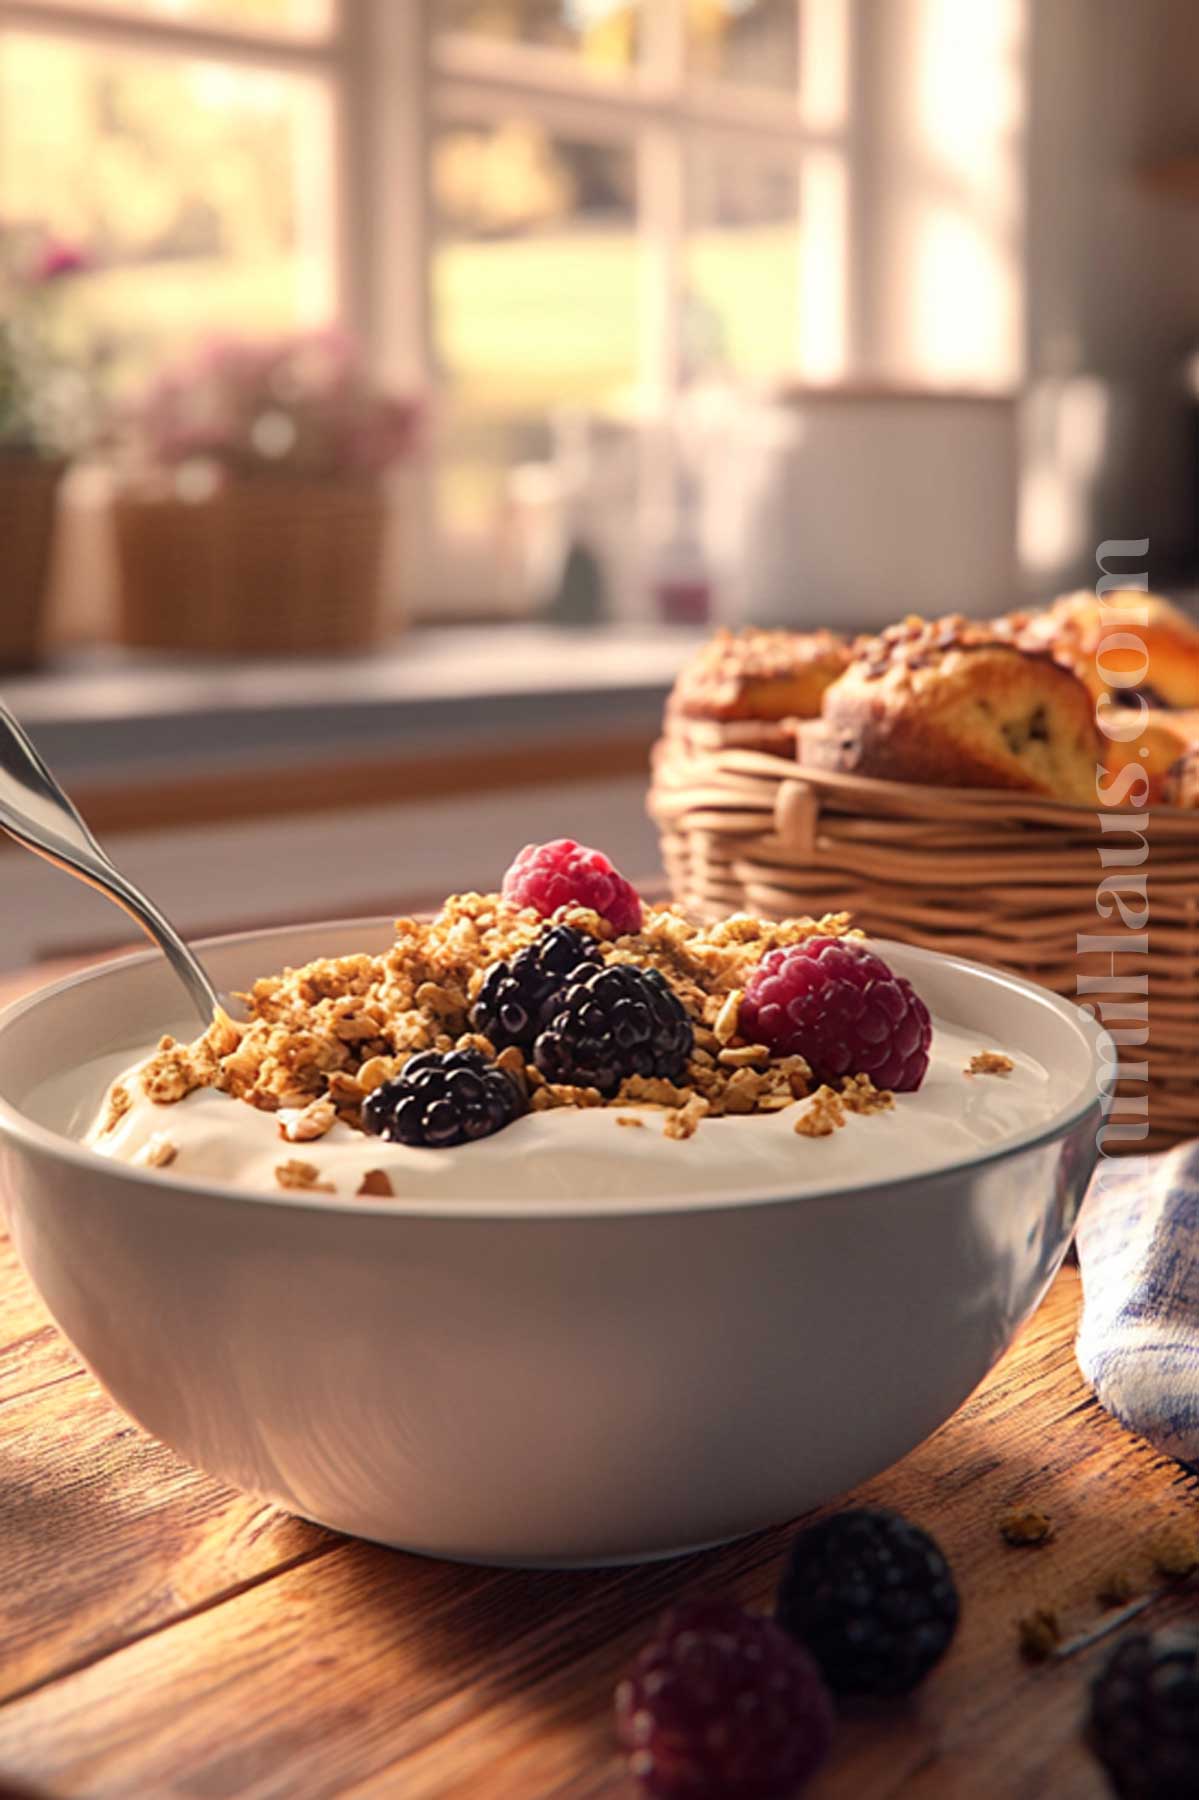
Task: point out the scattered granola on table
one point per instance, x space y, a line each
1039 1633
1175 1553
1116 1588
1026 1526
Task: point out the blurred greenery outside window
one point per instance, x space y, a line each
610 200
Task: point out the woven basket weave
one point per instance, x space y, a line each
1005 878
28 498
258 567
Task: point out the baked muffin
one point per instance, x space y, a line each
1181 787
754 674
1160 743
1075 626
949 703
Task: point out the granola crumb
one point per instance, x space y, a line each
822 1116
307 1123
684 1121
1116 1588
302 1177
989 1062
116 1105
339 1027
743 1091
559 1093
860 1095
376 1186
1026 1525
1175 1554
374 1072
1040 1633
724 1026
173 1074
629 1119
512 1061
654 1090
157 1152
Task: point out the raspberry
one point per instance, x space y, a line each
873 1599
613 1022
837 1004
1144 1715
442 1098
722 1705
563 873
517 998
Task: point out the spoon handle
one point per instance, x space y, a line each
35 811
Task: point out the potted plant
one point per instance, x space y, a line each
252 513
40 412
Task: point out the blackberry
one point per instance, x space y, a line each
722 1705
441 1098
872 1598
518 997
1144 1715
613 1022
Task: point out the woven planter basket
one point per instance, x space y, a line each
28 499
257 567
1004 878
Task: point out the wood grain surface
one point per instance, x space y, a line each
161 1636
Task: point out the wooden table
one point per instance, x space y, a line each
161 1636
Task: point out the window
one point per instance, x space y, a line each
199 183
554 214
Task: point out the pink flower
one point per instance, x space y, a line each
57 259
299 405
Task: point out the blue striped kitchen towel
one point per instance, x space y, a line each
1138 1251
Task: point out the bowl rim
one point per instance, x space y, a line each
27 1134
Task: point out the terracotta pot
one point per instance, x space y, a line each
256 567
28 496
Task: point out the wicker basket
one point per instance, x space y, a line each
1004 878
256 567
28 498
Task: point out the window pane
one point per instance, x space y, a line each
754 43
535 297
740 308
277 18
602 32
200 193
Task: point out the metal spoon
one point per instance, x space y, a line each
35 811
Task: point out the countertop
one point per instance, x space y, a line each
108 712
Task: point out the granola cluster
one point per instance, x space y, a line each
320 1038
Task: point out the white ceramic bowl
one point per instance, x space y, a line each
587 1384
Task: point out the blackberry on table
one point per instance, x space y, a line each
1144 1715
518 997
873 1599
441 1098
722 1705
614 1022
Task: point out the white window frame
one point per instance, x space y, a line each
391 76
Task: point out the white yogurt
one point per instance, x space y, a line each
584 1154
